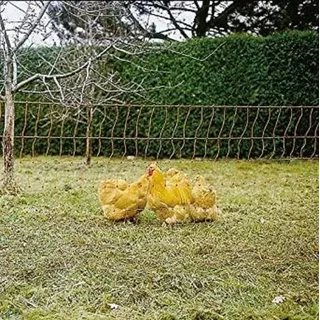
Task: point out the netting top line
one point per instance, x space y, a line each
163 105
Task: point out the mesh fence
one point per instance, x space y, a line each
166 131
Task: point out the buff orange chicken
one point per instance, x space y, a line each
169 198
121 201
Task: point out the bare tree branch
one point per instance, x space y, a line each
172 18
148 34
33 26
222 17
15 71
59 76
5 34
16 7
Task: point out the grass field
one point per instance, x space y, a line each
60 259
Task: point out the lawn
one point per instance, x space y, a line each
61 259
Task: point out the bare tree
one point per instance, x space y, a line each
68 77
10 48
70 27
205 18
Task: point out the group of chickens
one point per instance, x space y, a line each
171 195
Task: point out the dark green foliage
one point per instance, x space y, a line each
279 70
276 16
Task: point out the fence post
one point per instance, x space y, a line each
89 134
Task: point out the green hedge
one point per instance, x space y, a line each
277 70
281 69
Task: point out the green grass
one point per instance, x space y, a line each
61 259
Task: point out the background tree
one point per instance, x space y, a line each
263 18
166 19
120 22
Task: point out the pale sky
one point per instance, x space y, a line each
13 15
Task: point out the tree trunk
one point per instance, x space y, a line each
89 134
8 135
201 19
8 141
8 144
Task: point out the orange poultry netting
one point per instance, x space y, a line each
166 131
